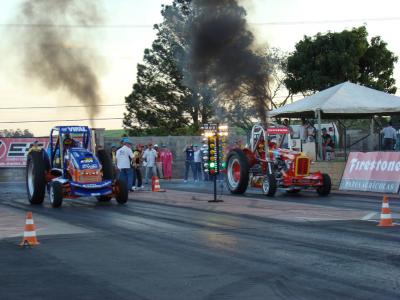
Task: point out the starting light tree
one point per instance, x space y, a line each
214 157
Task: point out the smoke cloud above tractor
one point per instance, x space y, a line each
55 53
222 49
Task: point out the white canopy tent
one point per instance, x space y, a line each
343 101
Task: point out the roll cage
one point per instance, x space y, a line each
56 148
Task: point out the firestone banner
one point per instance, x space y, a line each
13 151
372 172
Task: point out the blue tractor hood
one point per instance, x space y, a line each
83 159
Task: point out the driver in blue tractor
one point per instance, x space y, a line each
69 142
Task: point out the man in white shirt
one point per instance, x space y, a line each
123 157
149 156
389 137
197 163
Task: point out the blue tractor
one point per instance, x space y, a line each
70 169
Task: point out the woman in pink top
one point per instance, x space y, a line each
166 160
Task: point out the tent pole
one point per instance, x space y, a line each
319 134
371 137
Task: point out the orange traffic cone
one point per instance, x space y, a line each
29 238
155 185
386 216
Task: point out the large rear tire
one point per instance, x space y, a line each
106 163
56 194
325 189
269 185
122 191
237 172
35 177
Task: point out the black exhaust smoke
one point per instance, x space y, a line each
222 49
50 51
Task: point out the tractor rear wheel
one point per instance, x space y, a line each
106 164
121 191
237 172
325 189
35 177
269 185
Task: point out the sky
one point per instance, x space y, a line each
278 24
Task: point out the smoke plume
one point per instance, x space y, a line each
222 49
54 53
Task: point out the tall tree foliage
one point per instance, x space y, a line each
169 97
325 60
160 98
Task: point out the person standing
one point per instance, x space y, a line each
158 162
285 143
389 137
166 160
136 164
189 161
124 155
114 160
149 156
327 145
197 163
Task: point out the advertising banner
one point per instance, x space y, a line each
13 151
372 172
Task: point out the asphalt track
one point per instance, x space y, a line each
153 250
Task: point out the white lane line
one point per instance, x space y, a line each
368 216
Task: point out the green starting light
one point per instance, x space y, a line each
212 165
223 165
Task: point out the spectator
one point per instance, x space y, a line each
149 157
124 155
158 162
311 131
136 164
197 162
303 130
166 160
285 143
189 161
389 137
327 145
114 160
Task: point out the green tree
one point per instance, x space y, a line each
161 100
325 60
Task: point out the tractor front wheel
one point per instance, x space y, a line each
56 194
325 189
269 185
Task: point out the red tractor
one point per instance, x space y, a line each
268 165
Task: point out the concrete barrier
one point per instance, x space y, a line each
333 168
12 174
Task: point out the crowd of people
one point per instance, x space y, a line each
131 162
194 162
308 133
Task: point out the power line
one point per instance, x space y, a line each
67 120
60 106
123 26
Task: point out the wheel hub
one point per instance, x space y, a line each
233 172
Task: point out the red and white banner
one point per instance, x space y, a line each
13 151
277 130
372 172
